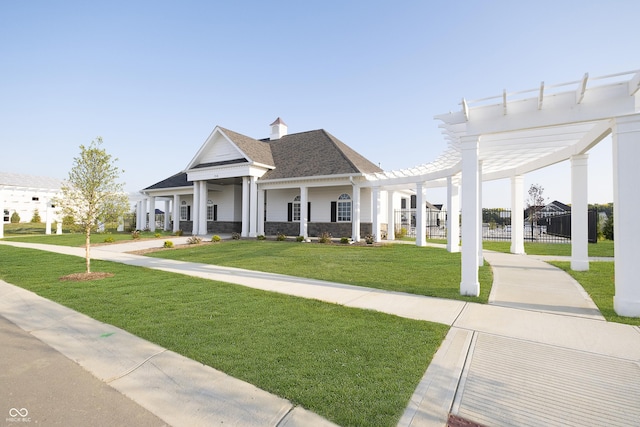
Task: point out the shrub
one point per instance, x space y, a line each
194 240
15 218
179 233
369 239
135 234
325 237
401 233
281 237
109 239
168 244
36 216
157 235
344 240
300 239
607 230
215 238
235 236
261 237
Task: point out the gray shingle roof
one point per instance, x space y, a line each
257 151
177 180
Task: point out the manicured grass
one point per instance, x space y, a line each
603 248
599 284
395 267
77 239
355 367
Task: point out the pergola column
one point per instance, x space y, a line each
304 211
202 208
453 219
260 225
176 213
470 284
517 214
375 211
152 213
421 229
579 214
480 224
355 220
626 205
245 207
195 217
391 216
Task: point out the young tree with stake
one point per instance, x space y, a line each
91 194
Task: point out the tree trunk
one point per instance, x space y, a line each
87 250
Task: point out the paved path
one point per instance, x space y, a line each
539 354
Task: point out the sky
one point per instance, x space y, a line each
153 78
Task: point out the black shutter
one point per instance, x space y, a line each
334 211
215 212
308 211
413 202
290 212
188 213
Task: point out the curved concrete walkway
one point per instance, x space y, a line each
539 354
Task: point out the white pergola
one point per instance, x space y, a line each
507 136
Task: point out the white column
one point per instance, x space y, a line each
304 211
470 211
391 216
626 205
143 214
167 215
517 215
480 224
1 213
579 214
453 214
375 212
245 207
152 214
355 214
253 206
261 196
195 209
204 196
176 213
139 215
49 214
421 229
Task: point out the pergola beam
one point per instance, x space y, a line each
582 88
634 84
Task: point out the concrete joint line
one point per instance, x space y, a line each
455 406
283 421
462 310
128 371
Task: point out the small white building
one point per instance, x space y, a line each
301 184
24 194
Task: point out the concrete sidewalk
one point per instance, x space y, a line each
539 354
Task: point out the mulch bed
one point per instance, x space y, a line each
455 421
83 277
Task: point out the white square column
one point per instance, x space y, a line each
579 214
517 215
195 217
152 214
167 215
421 227
253 206
304 211
480 224
391 216
470 284
453 219
176 213
143 214
260 225
375 210
626 205
245 206
355 214
202 208
48 218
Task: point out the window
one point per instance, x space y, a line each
35 198
184 212
344 208
212 211
296 208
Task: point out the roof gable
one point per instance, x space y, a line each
227 147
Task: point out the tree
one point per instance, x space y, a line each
607 230
36 216
91 194
535 203
15 218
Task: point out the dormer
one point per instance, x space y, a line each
278 129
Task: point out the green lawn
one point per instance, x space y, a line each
603 248
395 267
34 233
355 367
599 284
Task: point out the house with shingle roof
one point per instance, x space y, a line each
301 184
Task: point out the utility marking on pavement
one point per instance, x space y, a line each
107 334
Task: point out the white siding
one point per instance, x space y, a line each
221 150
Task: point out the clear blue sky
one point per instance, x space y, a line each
153 78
